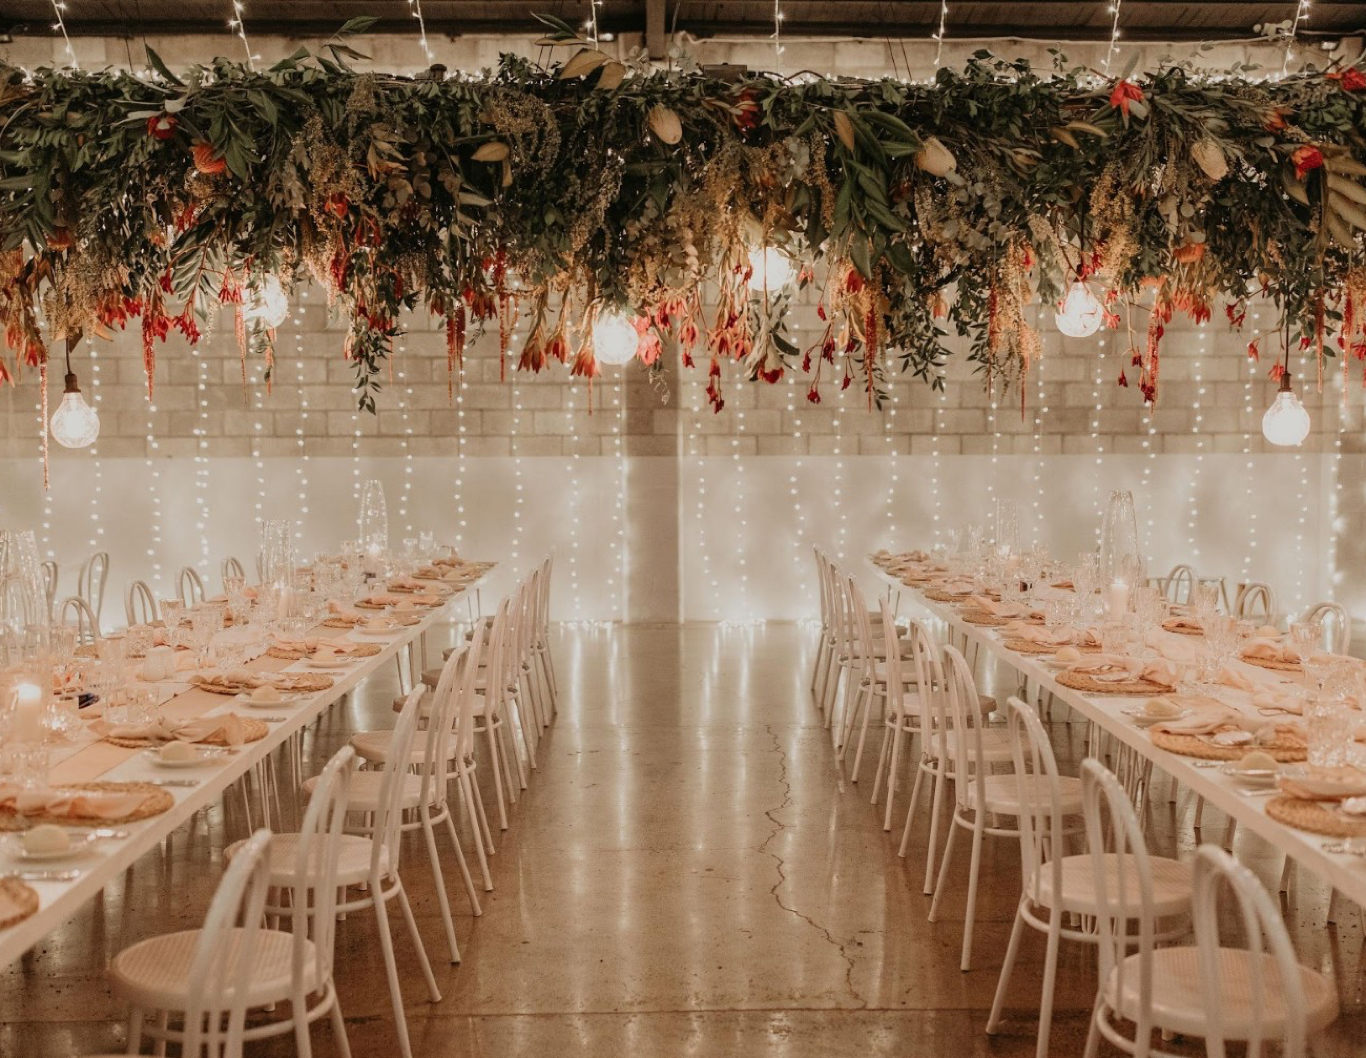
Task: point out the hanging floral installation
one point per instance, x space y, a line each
591 187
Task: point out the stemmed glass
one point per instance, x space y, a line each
1305 637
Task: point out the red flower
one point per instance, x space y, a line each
337 205
813 395
1123 381
161 126
1125 93
746 112
1349 80
207 160
1306 159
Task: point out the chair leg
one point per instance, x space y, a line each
936 810
941 885
298 1013
497 771
477 824
464 867
386 943
910 812
442 897
1050 978
135 1017
970 917
897 739
1093 1033
881 763
342 1042
407 909
1012 950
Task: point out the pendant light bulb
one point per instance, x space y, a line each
268 304
1286 422
1081 313
770 269
615 339
75 424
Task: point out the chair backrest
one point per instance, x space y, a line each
929 688
91 581
1255 602
467 697
860 622
221 966
231 568
50 586
1042 844
960 696
139 604
442 720
189 586
823 588
840 627
315 857
389 817
891 642
547 571
495 658
76 611
1125 925
1179 585
1335 625
1272 971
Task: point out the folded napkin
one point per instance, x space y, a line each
80 804
1325 784
1231 677
1269 650
1001 609
1174 650
229 728
405 584
1058 636
308 643
957 586
1114 668
1270 700
1183 624
386 598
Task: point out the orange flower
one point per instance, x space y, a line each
207 160
1306 158
1190 253
1125 93
60 239
1274 120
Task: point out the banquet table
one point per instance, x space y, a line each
1346 873
89 759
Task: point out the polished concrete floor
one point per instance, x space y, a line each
689 874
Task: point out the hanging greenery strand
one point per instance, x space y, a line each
595 187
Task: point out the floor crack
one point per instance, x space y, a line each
778 827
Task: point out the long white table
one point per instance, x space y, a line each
1345 873
60 900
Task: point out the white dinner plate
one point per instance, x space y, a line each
81 845
205 755
286 698
334 663
1142 719
1252 779
379 633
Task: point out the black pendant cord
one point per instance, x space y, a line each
1285 369
71 383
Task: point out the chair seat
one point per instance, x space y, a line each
995 745
365 791
1179 1006
373 746
154 974
353 860
1171 885
1000 794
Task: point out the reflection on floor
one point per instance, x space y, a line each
688 874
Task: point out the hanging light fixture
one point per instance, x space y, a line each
75 424
1081 313
770 269
1286 422
269 303
615 339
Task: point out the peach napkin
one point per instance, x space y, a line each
228 727
1113 668
97 804
1231 677
1269 650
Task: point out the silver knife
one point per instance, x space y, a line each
177 783
45 876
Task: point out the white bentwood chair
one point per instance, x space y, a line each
1178 586
139 605
189 586
1254 994
218 959
370 858
90 582
1255 601
1335 625
77 612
